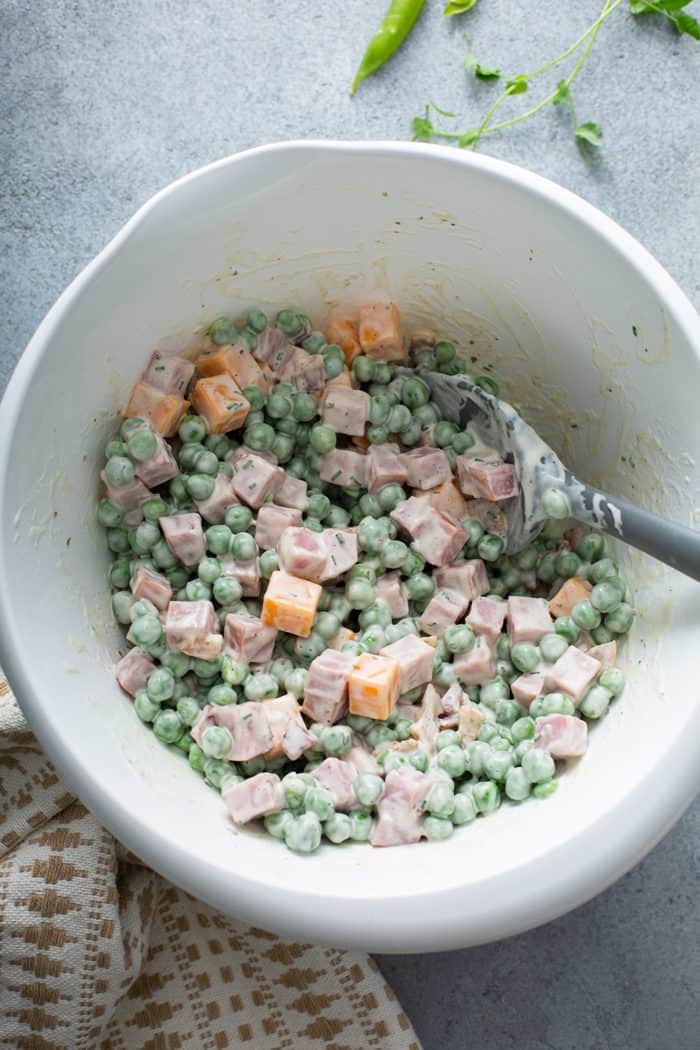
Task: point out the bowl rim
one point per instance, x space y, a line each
584 865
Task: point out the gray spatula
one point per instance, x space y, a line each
538 468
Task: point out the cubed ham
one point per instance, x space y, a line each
342 552
448 499
249 728
425 729
296 739
305 372
415 660
385 466
214 508
128 497
255 479
572 591
168 373
184 535
444 608
573 673
452 700
438 538
274 348
193 628
237 455
271 523
478 665
489 514
303 553
291 492
161 466
248 638
362 758
528 619
564 736
486 617
246 572
605 654
468 578
391 590
204 721
345 467
469 721
379 332
326 689
145 583
399 812
527 687
338 777
346 410
133 669
409 514
279 713
426 467
584 642
255 797
486 476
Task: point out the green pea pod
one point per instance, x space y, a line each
398 23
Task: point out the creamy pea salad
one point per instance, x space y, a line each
310 566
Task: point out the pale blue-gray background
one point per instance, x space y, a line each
102 103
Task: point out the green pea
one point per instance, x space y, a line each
383 372
200 486
490 547
188 454
497 763
168 726
555 504
238 518
612 679
601 635
177 663
508 712
476 752
445 433
517 785
268 562
215 770
437 829
596 702
552 646
207 669
261 686
465 809
393 554
440 800
523 729
218 539
279 406
109 514
307 649
546 569
160 684
146 630
591 547
178 490
585 615
319 800
259 436
223 331
255 398
621 619
234 672
487 796
567 628
415 393
146 708
556 704
399 419
119 471
420 587
336 740
197 591
196 757
192 429
243 547
122 603
115 447
304 407
453 760
538 765
444 351
525 656
604 569
216 742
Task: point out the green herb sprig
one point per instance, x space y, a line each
587 133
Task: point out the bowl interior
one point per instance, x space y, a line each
585 335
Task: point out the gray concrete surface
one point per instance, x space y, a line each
103 102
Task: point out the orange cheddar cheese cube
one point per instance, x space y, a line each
569 594
235 360
218 399
343 331
344 635
373 686
290 604
380 331
163 411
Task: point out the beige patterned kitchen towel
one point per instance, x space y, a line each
97 952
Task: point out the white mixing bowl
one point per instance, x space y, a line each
584 329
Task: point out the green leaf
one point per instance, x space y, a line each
562 93
468 138
484 73
687 24
670 5
660 7
422 128
516 86
590 133
458 7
